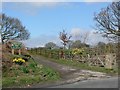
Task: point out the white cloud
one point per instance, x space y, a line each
92 38
79 34
30 8
98 0
34 0
40 4
59 0
41 40
75 32
27 6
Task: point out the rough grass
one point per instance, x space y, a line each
25 80
28 74
20 81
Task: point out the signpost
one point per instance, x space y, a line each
16 45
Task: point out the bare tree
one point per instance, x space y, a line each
84 37
12 29
64 37
80 35
108 21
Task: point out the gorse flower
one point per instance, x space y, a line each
77 51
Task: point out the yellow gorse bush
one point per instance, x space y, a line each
18 60
77 51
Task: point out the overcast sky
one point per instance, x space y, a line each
45 20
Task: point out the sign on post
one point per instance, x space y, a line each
16 45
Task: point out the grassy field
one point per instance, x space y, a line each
27 75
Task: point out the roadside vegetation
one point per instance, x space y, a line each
23 71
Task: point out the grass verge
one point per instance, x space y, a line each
27 75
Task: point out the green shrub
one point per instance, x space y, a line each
32 65
25 70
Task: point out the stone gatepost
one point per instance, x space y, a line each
13 51
108 61
19 51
